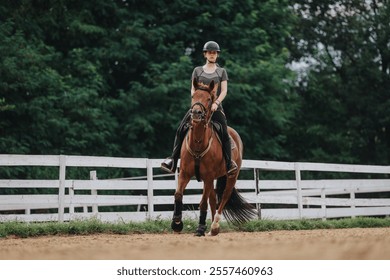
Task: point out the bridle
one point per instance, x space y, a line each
201 114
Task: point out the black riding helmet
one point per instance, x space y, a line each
211 46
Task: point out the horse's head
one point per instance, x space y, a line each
202 99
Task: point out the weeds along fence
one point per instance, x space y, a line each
279 190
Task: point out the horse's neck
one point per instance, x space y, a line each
200 136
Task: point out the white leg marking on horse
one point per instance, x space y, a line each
215 223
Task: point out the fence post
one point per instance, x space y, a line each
93 176
71 196
323 204
149 174
299 188
61 189
352 196
258 205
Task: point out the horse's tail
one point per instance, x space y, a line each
237 210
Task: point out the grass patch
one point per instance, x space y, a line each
94 226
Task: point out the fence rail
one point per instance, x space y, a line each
151 196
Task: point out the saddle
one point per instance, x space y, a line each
218 129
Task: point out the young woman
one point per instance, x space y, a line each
211 71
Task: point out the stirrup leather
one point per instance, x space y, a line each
233 169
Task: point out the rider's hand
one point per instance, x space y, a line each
214 107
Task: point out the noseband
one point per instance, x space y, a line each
198 115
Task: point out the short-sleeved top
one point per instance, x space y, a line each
218 76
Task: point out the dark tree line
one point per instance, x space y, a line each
112 78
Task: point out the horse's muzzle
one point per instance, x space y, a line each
197 115
198 112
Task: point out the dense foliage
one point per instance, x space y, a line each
112 77
345 97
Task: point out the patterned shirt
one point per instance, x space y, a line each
218 76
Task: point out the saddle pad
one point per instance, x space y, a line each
232 143
218 130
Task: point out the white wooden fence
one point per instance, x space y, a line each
295 198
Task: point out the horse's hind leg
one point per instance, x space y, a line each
226 194
213 203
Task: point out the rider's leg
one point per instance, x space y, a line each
231 166
170 164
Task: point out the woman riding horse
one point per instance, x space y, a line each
202 156
204 75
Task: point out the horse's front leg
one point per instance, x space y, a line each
207 188
177 223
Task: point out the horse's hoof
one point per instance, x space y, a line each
214 231
177 226
199 233
201 230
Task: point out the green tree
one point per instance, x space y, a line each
345 96
57 95
113 77
252 36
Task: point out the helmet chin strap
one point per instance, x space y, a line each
212 62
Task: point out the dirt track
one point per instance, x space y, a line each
356 244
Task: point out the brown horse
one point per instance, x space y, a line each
201 155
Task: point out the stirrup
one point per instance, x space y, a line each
169 165
233 169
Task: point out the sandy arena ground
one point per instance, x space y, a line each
337 244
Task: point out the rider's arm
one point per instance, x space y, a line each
221 97
223 93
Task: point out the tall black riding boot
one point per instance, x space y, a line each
170 164
231 166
